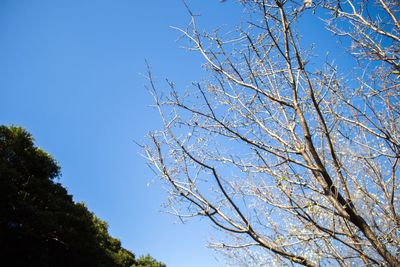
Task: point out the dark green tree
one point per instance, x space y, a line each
40 225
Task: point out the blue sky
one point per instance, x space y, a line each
71 74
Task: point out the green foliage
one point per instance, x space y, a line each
40 225
148 261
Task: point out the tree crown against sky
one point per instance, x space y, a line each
40 225
293 159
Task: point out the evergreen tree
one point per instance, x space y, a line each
40 225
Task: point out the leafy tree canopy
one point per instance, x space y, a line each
40 225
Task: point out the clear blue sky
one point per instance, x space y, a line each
70 73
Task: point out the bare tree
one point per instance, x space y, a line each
294 161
